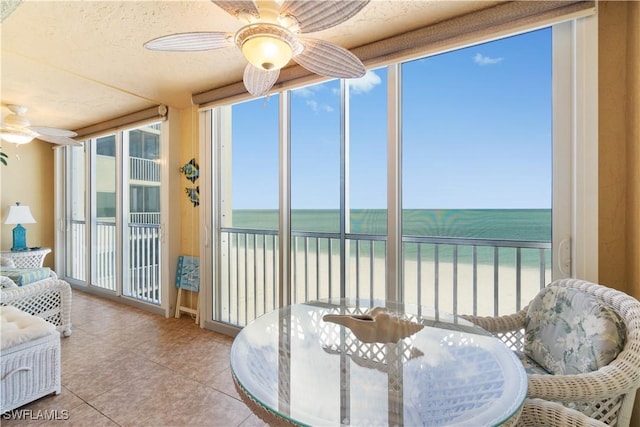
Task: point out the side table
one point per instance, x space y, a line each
32 258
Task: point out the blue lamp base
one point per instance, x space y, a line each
19 238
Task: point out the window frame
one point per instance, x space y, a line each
574 207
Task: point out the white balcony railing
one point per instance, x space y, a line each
142 276
483 277
459 276
144 169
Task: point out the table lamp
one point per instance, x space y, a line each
19 215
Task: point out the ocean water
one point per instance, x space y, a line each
503 224
500 224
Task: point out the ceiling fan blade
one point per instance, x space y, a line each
320 15
259 81
190 42
239 9
329 60
60 140
45 130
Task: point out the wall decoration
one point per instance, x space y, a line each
188 275
194 195
191 170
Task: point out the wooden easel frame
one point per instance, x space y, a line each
184 309
188 278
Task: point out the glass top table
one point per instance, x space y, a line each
300 368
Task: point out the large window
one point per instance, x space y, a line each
248 210
366 185
145 143
367 153
75 207
477 148
434 181
144 199
316 153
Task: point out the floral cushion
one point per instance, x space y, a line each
570 332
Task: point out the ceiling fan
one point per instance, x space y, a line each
271 38
17 129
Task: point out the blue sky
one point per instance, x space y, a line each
476 133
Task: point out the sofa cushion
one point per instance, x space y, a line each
25 276
570 332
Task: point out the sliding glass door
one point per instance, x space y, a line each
112 237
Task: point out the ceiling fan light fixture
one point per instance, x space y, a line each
17 136
267 46
15 128
267 52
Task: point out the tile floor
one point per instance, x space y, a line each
126 367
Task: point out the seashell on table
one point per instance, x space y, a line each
378 325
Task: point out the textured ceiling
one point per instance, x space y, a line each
76 63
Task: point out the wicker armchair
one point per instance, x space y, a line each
542 413
606 394
49 299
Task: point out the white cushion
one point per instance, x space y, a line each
18 327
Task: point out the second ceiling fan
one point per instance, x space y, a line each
272 38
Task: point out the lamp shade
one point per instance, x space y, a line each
267 46
16 137
267 52
19 215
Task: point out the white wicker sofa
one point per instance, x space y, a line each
49 299
603 390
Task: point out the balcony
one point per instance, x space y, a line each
455 275
144 169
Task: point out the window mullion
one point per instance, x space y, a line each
284 226
394 187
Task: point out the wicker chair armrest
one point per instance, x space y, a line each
620 377
500 324
37 299
539 412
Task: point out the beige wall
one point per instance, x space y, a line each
612 56
619 149
28 179
189 215
619 161
633 150
633 163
